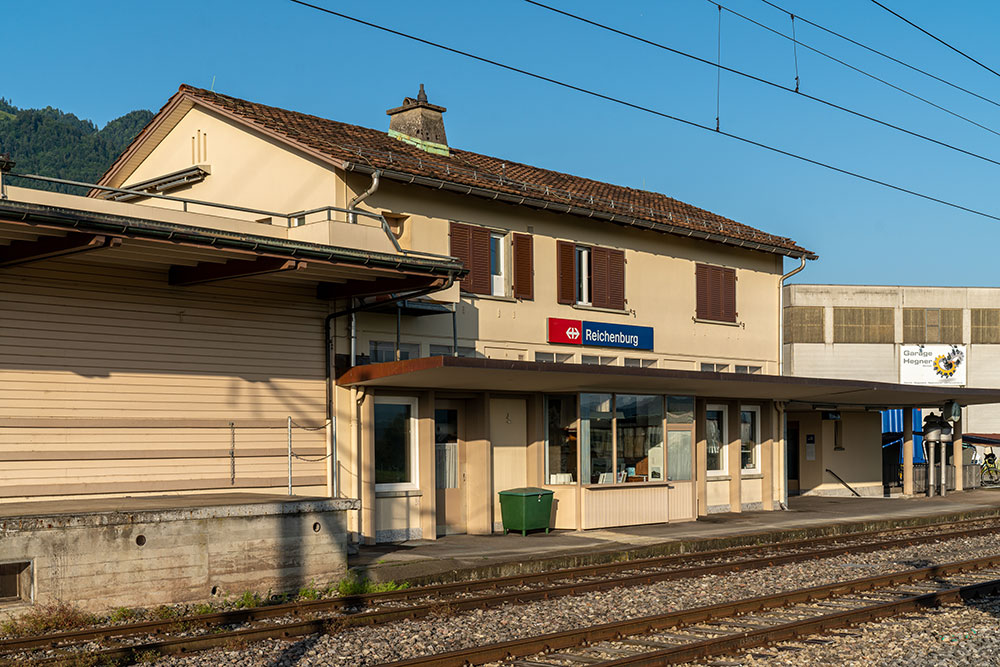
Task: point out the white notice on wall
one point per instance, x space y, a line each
942 365
810 451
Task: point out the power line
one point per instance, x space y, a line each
852 67
936 38
639 107
796 91
884 55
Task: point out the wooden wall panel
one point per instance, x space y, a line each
112 381
624 506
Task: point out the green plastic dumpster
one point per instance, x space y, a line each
525 509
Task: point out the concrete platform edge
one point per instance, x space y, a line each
434 571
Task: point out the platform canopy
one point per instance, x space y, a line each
468 374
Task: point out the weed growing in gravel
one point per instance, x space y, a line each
247 600
147 657
47 618
357 586
310 592
202 608
123 615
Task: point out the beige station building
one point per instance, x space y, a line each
264 303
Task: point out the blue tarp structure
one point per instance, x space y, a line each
892 432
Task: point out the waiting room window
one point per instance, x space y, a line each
590 276
715 293
750 439
639 424
596 447
383 350
717 439
560 439
395 443
485 254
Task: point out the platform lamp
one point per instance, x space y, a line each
6 164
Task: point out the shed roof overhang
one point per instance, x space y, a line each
467 374
31 231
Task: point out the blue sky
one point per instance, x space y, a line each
104 59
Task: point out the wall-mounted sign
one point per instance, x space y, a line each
599 334
932 364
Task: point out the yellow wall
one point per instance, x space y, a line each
859 463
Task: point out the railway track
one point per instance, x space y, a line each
721 629
200 632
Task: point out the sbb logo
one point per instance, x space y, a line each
568 332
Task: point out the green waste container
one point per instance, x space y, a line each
525 509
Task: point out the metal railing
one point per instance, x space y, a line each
288 217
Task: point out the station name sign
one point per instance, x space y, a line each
599 334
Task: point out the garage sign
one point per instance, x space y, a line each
932 364
599 334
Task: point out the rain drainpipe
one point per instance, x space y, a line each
353 219
781 360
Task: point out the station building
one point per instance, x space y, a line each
366 335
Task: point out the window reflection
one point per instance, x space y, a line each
640 437
595 438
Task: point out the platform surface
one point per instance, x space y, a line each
471 556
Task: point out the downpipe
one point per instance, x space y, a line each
781 370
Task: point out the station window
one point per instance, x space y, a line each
715 368
395 443
640 363
383 350
752 370
498 264
590 276
750 439
596 445
554 357
583 276
598 360
639 424
560 439
716 439
446 448
680 423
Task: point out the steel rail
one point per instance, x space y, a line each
519 648
299 609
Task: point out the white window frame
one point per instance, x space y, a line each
756 455
581 263
414 444
725 439
498 282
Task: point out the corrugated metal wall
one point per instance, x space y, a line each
113 382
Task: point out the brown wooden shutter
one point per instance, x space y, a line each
727 280
599 277
479 276
703 288
566 266
524 268
616 279
461 249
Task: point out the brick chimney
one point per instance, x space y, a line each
419 123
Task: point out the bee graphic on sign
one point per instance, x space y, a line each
945 365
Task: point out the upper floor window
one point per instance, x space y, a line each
590 276
486 254
715 288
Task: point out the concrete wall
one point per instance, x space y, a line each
104 560
880 362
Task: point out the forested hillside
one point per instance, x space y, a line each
49 142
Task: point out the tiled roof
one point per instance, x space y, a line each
353 144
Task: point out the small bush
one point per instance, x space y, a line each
310 592
247 600
202 608
124 615
48 618
357 586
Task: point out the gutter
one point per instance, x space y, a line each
626 220
154 230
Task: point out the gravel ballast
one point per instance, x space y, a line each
407 639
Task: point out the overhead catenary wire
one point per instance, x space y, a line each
855 69
719 67
937 39
882 54
639 107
